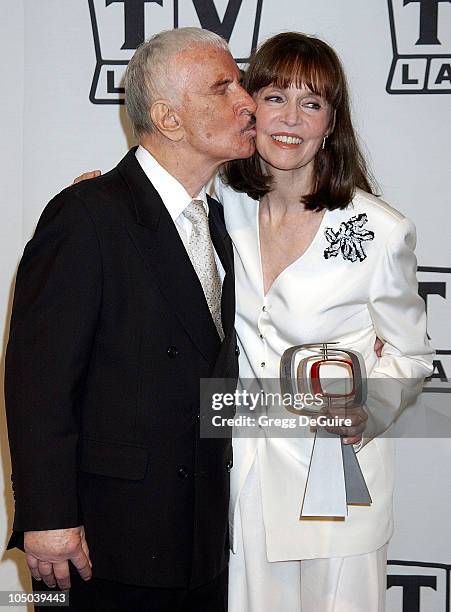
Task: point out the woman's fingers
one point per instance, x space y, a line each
86 176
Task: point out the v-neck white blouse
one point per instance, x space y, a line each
326 299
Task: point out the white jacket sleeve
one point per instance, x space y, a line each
399 318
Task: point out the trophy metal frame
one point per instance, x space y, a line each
294 379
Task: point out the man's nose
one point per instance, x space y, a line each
247 104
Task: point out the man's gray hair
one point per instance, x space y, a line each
147 76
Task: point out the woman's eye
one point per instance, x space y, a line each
273 99
313 105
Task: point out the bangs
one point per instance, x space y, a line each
300 64
305 72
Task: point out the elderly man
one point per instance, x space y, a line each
124 300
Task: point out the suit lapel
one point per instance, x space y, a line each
223 245
160 246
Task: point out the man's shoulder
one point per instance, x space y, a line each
106 188
98 197
108 185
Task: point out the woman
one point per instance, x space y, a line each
317 258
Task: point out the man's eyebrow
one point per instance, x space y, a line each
220 83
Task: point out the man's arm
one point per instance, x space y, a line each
54 319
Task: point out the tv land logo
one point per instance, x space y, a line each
434 287
421 41
120 26
418 587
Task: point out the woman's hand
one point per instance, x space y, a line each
378 346
357 416
86 176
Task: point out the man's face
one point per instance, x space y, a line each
217 113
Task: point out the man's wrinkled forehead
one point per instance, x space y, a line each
203 68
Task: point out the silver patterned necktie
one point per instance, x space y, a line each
200 250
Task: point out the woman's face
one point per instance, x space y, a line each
291 125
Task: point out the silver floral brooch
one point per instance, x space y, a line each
348 239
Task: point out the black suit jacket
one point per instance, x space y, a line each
110 334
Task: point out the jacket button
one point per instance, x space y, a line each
172 352
229 465
182 472
237 350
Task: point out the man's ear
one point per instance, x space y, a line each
166 119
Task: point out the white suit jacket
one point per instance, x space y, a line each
356 280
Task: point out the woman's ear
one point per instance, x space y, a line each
166 120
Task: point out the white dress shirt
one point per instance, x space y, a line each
174 197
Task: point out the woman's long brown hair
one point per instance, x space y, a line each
295 59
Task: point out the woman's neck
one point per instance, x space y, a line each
288 188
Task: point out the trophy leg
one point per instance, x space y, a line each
356 490
325 490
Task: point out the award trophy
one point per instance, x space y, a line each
334 478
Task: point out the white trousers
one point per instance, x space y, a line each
342 584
